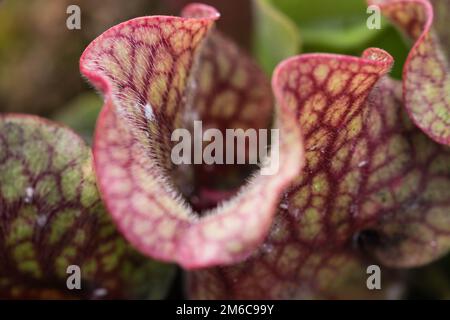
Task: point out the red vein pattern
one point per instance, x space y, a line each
366 168
281 271
51 217
147 69
426 74
232 93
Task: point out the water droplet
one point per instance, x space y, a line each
267 248
284 206
29 192
395 291
41 220
193 84
276 228
295 212
100 292
148 111
362 164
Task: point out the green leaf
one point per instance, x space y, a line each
51 217
287 27
81 114
276 36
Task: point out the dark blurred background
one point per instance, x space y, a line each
39 55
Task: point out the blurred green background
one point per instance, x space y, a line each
39 56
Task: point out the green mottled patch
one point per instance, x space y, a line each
13 171
65 259
440 165
62 223
61 264
30 267
152 278
68 179
89 267
443 112
37 160
410 183
89 194
106 231
320 184
22 227
47 189
80 237
13 134
24 251
110 262
384 197
69 252
105 247
437 190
